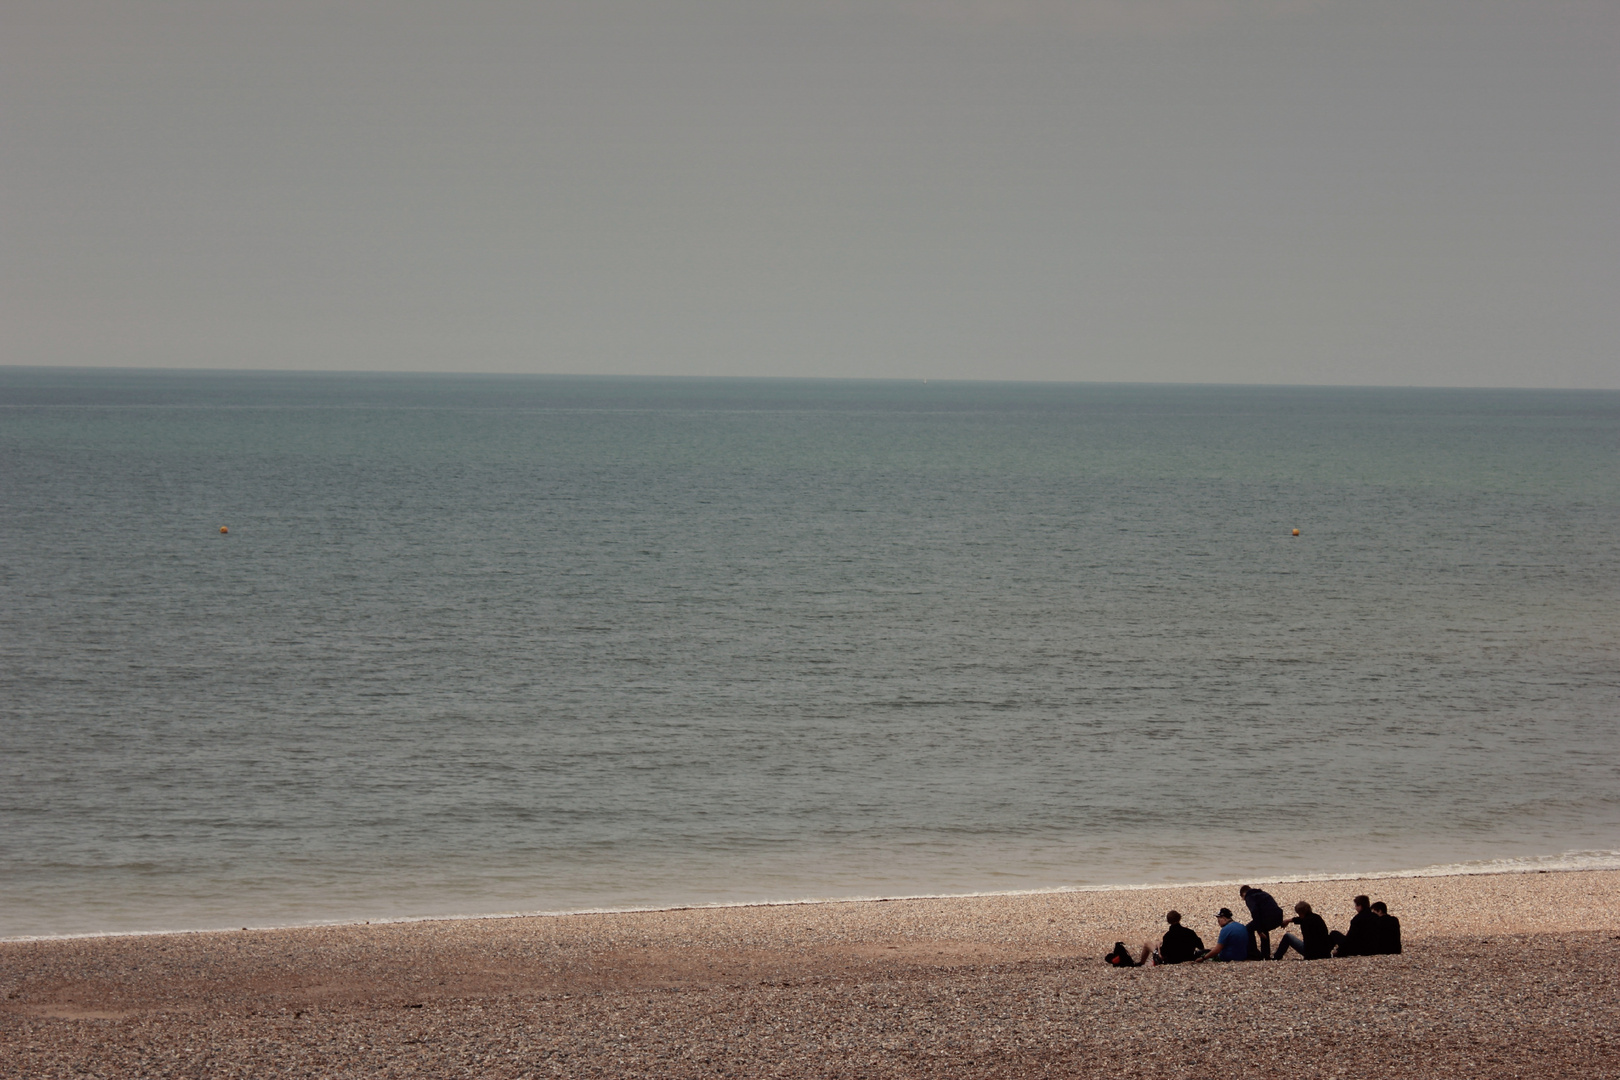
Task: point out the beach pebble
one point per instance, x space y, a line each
1503 975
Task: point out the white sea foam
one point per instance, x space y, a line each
1566 862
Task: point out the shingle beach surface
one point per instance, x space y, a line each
1503 975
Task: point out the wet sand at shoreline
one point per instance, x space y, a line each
1503 975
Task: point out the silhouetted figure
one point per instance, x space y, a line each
1388 931
1180 944
1362 937
1264 917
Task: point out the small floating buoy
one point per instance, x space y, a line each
1296 531
223 530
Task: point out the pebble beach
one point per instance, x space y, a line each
1507 975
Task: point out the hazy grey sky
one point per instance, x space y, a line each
1303 191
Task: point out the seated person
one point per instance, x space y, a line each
1312 941
1388 941
1264 917
1180 944
1362 937
1233 944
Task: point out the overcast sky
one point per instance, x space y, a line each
1277 191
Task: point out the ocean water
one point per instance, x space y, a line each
489 644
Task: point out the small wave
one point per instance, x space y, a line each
1569 860
1566 862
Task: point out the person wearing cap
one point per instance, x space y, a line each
1233 944
1264 917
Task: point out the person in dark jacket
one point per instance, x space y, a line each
1180 944
1362 937
1312 940
1264 917
1388 930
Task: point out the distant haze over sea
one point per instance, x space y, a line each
483 644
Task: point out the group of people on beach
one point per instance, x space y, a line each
1373 931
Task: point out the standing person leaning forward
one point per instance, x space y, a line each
1264 917
1233 944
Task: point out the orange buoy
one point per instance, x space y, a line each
224 530
1296 531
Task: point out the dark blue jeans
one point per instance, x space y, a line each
1263 929
1289 941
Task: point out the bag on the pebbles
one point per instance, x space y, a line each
1120 957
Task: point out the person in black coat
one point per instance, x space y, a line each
1362 937
1388 930
1264 917
1180 944
1312 940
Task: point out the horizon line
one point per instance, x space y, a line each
892 379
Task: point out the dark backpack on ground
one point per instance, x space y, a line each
1120 957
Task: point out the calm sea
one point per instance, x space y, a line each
483 644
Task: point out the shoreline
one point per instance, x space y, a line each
1597 861
990 985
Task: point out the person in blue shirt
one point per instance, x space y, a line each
1233 944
